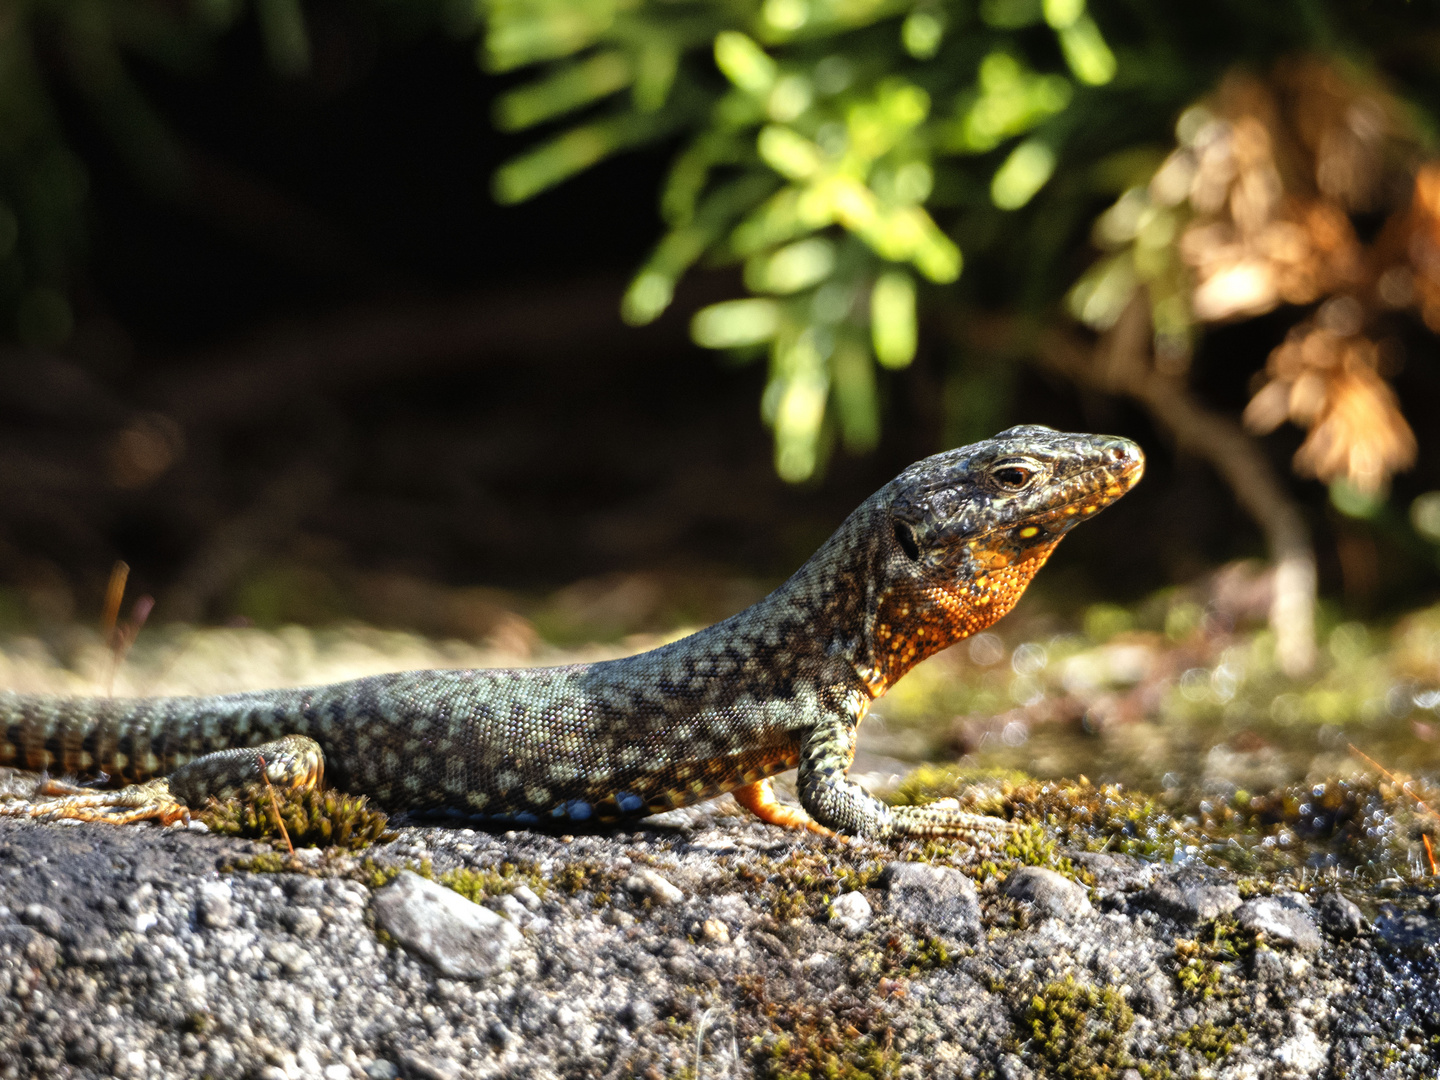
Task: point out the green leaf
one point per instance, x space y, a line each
892 319
570 88
735 323
744 63
1086 52
1023 174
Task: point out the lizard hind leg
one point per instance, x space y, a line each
759 798
294 763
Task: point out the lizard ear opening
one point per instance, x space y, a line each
906 539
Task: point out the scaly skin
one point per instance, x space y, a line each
936 555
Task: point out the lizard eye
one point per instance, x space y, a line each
1013 477
906 539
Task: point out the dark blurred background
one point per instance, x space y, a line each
298 364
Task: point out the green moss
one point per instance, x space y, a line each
1204 963
979 790
577 877
1078 1031
375 876
790 903
312 819
809 1040
1209 1040
801 885
911 956
820 1056
270 862
477 884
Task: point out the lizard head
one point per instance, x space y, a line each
966 530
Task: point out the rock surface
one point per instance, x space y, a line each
459 938
1283 918
142 952
938 898
1051 894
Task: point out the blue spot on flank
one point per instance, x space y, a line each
527 819
629 803
578 811
559 811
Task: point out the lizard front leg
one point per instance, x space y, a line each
836 801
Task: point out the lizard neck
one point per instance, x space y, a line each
850 618
915 618
851 621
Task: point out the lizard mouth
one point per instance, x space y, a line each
1100 485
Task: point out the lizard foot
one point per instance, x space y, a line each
55 800
759 798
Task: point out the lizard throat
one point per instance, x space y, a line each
914 624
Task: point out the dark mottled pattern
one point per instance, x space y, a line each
942 551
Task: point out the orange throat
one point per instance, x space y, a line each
917 623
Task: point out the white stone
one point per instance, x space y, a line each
461 939
850 913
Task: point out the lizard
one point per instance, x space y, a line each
936 555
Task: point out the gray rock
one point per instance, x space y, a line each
1268 966
850 913
460 939
501 1035
649 884
1340 916
616 917
527 897
1156 996
1190 897
1012 1067
304 922
289 956
1052 893
1123 873
933 896
1284 918
637 1013
585 996
43 918
1407 929
214 908
418 1066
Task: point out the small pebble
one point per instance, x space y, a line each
648 883
850 913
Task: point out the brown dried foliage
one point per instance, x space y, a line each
1271 170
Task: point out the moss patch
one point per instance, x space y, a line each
1077 1032
1204 964
1210 1041
804 1039
1361 826
312 819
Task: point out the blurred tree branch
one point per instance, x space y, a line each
1120 363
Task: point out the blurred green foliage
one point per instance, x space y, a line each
812 160
850 155
846 153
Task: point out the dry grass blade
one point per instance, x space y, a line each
1403 785
275 807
